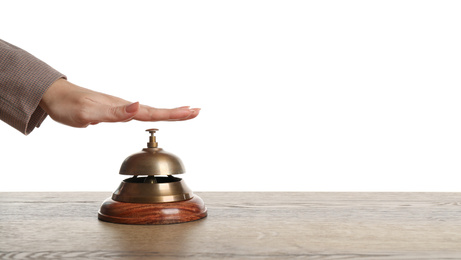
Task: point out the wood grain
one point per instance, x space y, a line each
155 213
239 226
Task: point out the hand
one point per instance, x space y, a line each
75 106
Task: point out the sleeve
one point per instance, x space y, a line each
23 81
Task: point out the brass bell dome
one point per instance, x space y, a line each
152 188
152 161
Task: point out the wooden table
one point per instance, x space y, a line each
240 226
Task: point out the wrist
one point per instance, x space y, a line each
53 93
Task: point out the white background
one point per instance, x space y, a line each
295 95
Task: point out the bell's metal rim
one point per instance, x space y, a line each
136 192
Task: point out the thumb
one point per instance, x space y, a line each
118 114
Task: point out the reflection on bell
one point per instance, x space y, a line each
152 195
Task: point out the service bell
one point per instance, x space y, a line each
152 195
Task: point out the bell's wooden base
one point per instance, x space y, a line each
154 214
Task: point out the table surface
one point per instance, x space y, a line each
240 225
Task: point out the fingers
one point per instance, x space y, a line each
194 114
104 113
147 113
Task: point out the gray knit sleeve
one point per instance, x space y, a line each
23 81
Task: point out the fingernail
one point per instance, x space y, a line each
132 107
196 110
184 107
